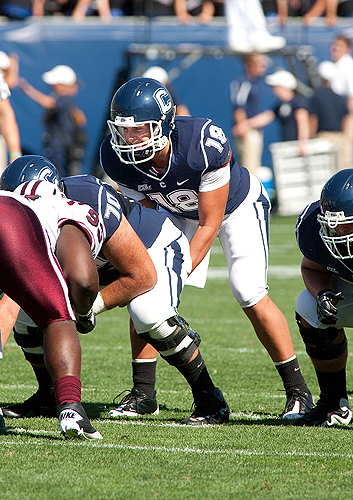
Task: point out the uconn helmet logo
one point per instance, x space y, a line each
46 174
163 99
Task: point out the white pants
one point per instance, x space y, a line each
306 307
245 21
244 239
173 266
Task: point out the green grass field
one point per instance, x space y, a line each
256 456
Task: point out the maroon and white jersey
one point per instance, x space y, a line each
53 211
30 225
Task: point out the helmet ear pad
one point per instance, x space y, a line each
29 168
141 101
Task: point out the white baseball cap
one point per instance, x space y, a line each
327 70
60 74
282 78
157 73
4 60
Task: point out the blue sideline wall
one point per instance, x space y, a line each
96 51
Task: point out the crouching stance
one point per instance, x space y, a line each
54 351
154 313
30 230
325 237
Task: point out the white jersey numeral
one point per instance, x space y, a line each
217 138
112 207
182 200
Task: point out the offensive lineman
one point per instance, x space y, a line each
325 237
153 313
184 165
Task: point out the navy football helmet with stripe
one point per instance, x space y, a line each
336 203
138 102
30 168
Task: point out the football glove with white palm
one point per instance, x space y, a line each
326 301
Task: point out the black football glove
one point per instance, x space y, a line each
85 323
326 306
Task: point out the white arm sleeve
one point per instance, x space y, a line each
215 179
131 193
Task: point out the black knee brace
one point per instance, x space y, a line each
319 342
181 332
33 339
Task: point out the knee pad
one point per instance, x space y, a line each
31 344
319 342
178 347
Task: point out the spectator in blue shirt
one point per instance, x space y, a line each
329 115
291 111
246 96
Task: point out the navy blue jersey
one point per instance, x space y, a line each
312 246
330 109
109 204
246 94
198 145
285 111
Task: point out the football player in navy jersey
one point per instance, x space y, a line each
154 313
184 166
325 237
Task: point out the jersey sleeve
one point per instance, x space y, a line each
87 219
132 193
307 234
215 147
215 179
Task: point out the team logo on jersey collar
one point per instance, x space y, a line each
144 187
163 100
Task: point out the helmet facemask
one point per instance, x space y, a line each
341 247
140 152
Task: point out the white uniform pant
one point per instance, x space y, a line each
306 307
173 265
244 236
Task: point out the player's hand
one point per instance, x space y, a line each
86 323
326 306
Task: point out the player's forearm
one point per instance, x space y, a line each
315 280
201 242
121 292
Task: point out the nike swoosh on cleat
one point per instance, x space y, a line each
180 183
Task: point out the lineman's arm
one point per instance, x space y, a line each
316 278
75 257
126 252
211 212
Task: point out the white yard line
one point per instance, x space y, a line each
279 272
164 449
